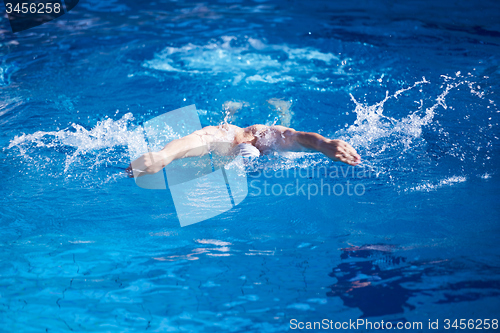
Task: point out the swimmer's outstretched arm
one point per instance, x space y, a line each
337 150
194 144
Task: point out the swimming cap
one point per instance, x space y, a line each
247 150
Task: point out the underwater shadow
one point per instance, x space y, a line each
377 282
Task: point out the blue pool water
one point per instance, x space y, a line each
412 86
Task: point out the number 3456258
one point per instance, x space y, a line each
33 8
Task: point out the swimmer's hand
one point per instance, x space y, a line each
147 164
339 150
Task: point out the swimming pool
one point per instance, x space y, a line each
413 87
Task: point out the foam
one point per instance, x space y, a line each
251 61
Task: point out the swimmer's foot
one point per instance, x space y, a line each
129 171
341 151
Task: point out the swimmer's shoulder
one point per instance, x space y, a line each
283 129
255 128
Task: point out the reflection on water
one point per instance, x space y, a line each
378 282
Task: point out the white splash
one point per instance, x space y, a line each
429 186
101 140
371 124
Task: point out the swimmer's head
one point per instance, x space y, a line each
247 150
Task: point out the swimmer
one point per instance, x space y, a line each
251 141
